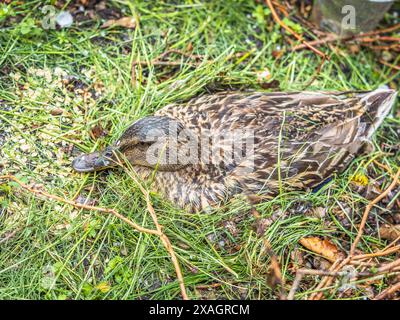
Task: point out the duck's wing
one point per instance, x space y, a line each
302 138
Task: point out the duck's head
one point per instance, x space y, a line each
149 142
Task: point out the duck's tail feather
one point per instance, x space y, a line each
354 134
377 104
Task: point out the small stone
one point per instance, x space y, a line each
25 147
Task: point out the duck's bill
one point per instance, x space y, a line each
94 161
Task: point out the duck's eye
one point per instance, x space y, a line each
108 152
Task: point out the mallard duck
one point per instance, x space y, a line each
293 141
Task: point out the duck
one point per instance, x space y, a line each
201 153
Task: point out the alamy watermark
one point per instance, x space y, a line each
53 17
226 148
349 18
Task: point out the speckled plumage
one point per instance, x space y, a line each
300 139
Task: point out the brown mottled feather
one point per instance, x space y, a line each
300 139
320 134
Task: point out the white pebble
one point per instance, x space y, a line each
64 19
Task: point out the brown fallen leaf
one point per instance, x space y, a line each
321 263
274 84
354 48
316 212
125 22
390 232
322 247
183 245
277 54
255 213
261 225
56 112
231 227
98 131
274 275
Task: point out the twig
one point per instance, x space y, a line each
208 286
164 239
387 30
380 38
383 269
295 285
392 66
338 265
327 281
281 7
158 231
387 292
387 267
368 209
376 254
395 47
388 169
80 205
384 166
333 37
9 235
292 32
299 275
332 272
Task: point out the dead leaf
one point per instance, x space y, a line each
321 263
354 48
98 131
322 247
274 84
277 54
56 112
231 227
389 232
183 245
255 213
274 276
261 225
125 22
318 212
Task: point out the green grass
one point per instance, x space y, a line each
58 252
